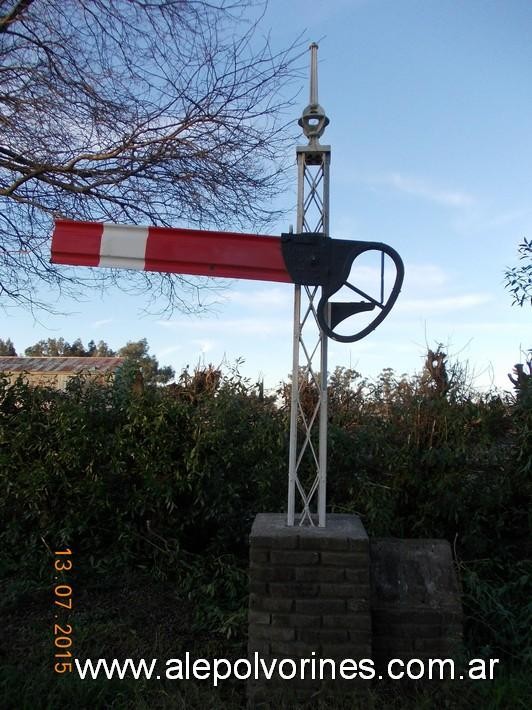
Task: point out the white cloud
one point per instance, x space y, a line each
442 305
100 323
417 275
492 328
205 346
420 187
481 219
505 218
164 352
231 327
268 297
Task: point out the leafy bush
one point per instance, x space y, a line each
133 478
170 479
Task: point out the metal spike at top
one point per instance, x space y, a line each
313 74
313 121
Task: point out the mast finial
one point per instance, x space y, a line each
313 74
313 121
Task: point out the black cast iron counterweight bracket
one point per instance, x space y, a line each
315 260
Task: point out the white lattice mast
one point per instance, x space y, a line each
307 468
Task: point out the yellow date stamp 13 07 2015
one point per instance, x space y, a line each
63 564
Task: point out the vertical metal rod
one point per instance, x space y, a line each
313 74
382 277
292 456
322 486
324 376
300 218
294 399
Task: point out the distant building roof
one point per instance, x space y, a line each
12 363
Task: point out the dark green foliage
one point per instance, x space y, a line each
498 608
417 459
136 352
519 278
133 478
59 347
420 465
7 347
168 480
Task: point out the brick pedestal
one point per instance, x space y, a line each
309 598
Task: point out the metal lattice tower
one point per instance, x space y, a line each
307 468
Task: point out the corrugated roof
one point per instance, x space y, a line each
59 364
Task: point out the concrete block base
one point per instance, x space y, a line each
415 600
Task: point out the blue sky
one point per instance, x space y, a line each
430 103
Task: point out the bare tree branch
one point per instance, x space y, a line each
163 112
13 14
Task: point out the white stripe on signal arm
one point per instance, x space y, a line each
123 247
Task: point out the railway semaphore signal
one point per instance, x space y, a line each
320 268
